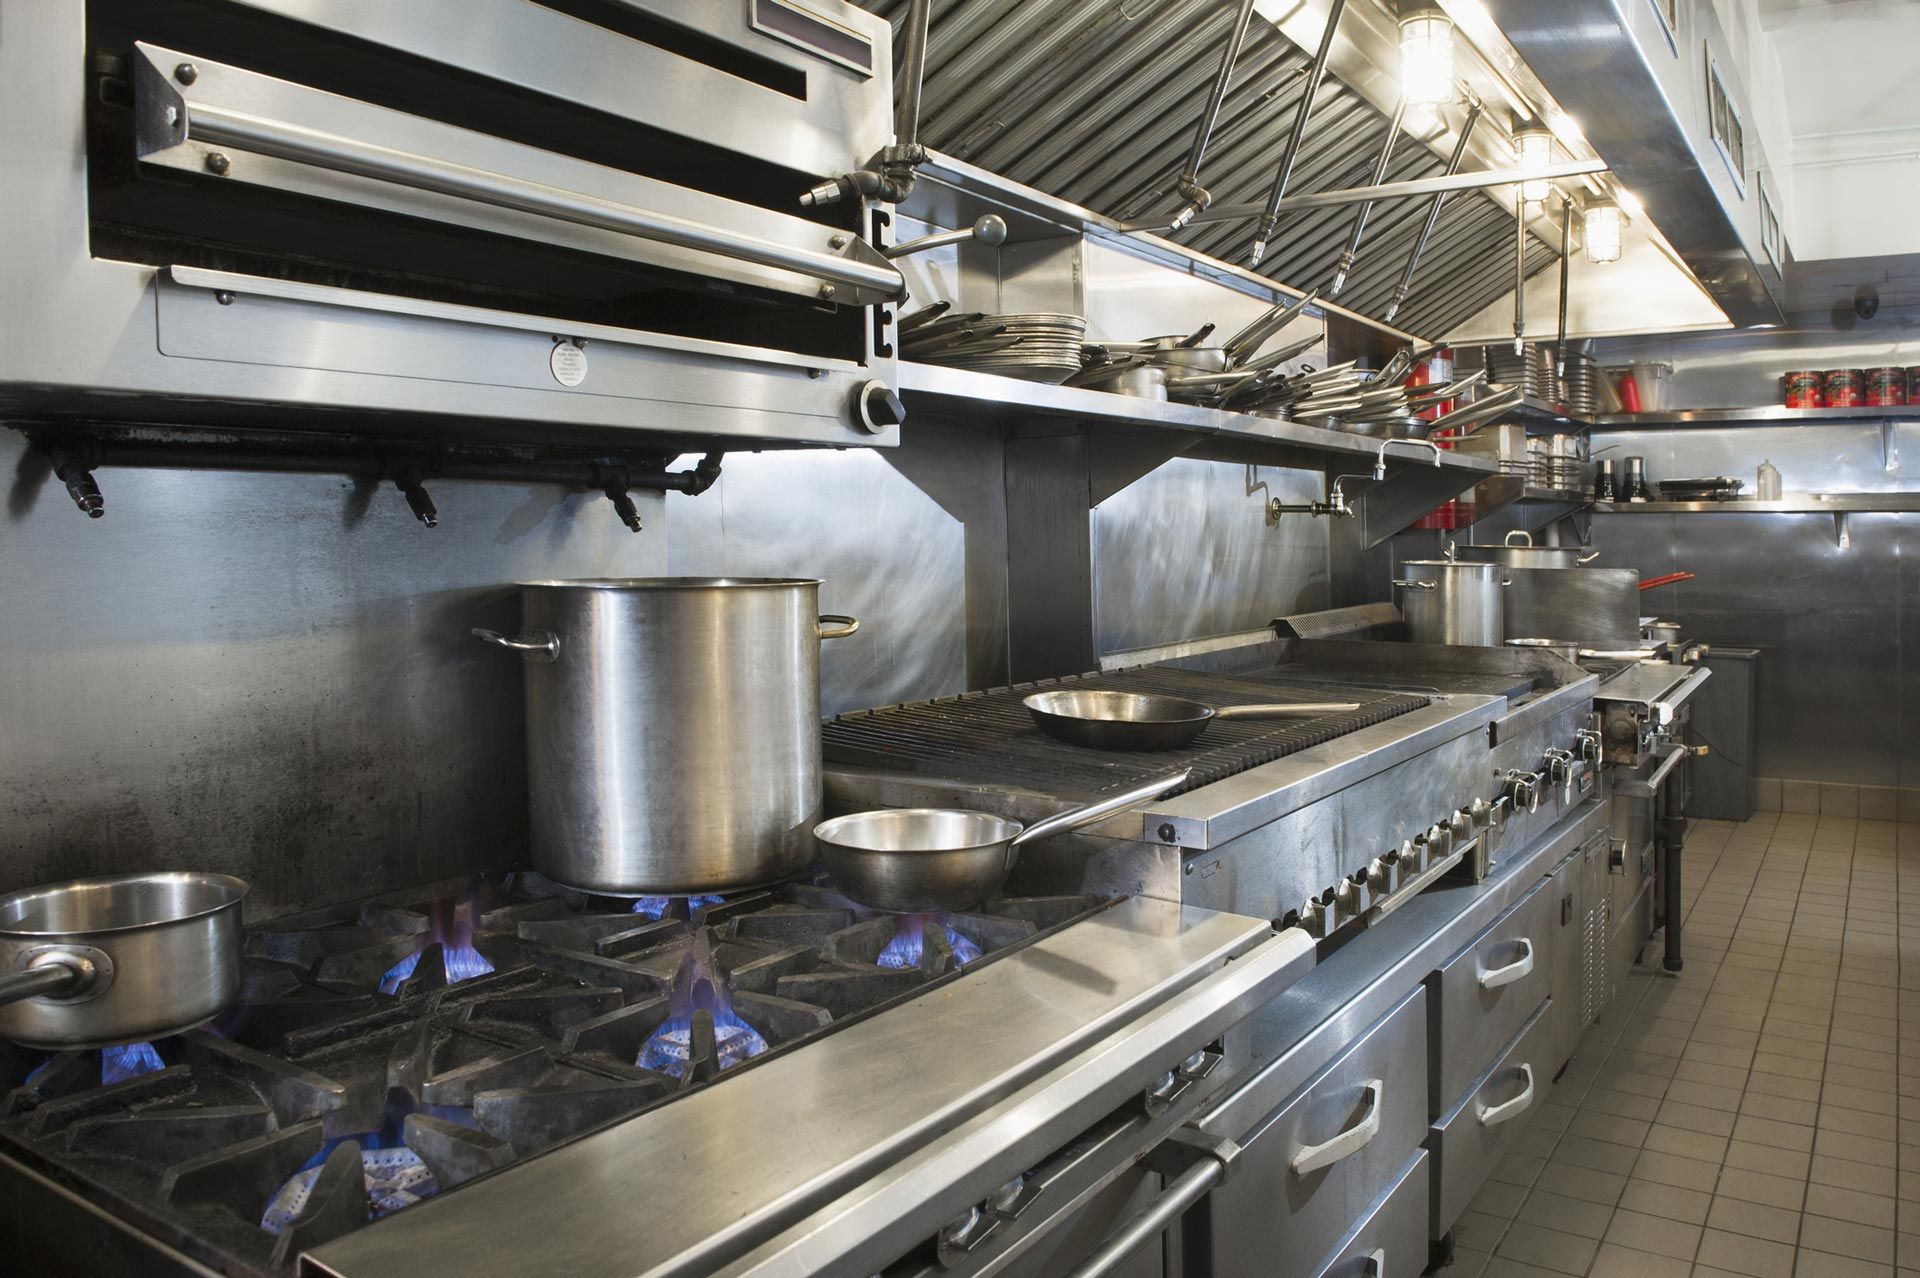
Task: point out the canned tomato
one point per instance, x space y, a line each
1804 389
1913 385
1846 388
1886 387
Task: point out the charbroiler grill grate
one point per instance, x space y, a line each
988 738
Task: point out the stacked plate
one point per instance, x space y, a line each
1039 347
1580 389
1531 370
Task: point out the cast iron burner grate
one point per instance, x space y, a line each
988 738
517 1015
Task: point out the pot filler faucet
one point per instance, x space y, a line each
1336 502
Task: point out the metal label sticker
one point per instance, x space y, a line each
568 362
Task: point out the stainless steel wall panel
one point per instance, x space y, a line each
885 552
1188 551
270 675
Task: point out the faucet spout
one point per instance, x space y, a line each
1380 461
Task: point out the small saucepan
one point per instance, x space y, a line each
936 860
99 962
1142 721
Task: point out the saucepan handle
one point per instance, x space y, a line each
535 645
1075 818
834 626
52 972
1286 710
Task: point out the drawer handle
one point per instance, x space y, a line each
1494 977
1312 1158
1376 1263
1494 1115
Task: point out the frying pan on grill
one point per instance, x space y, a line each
932 860
1145 721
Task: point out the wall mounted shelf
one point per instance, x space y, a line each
1765 414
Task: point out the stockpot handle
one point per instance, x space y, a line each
535 645
1518 532
1075 818
1588 558
1403 584
834 626
52 972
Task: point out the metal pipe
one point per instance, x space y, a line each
1187 186
222 126
906 120
1187 1189
1433 213
1519 275
1566 255
1271 217
1411 188
1352 253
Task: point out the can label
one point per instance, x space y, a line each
1804 389
1886 387
1846 388
1913 385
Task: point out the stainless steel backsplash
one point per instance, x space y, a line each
270 675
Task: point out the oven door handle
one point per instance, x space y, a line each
1183 1192
1312 1158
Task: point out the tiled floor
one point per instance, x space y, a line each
1759 1114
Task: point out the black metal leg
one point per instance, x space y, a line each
1671 831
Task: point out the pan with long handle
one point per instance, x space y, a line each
1147 721
935 860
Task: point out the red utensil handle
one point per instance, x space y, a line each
1667 580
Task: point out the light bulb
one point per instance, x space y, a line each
1533 145
1604 225
1426 58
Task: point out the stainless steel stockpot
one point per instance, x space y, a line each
1525 554
1446 601
673 729
97 962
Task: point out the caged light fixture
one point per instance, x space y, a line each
1533 148
1603 225
1426 58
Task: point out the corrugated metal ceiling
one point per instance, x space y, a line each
1095 101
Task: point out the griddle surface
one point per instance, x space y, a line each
988 738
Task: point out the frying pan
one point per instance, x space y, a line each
936 860
97 962
1141 721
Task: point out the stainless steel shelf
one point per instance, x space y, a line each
987 396
1792 504
1539 415
1771 414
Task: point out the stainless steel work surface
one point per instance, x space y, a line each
1645 681
691 1187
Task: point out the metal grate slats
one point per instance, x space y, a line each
987 738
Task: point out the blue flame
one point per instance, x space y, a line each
655 907
38 1071
460 962
909 942
118 1064
668 1047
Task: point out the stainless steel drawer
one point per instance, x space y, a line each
1324 1158
1469 1139
1391 1242
1482 994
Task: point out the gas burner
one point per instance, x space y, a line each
386 1051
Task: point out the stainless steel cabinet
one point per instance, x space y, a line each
1482 995
1323 1159
1392 1241
1468 1141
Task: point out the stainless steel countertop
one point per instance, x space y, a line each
890 1116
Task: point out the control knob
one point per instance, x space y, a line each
877 406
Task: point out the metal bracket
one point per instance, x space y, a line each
1187 1145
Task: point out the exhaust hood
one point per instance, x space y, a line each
1660 93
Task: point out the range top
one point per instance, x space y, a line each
390 1050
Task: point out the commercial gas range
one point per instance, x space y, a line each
468 1037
